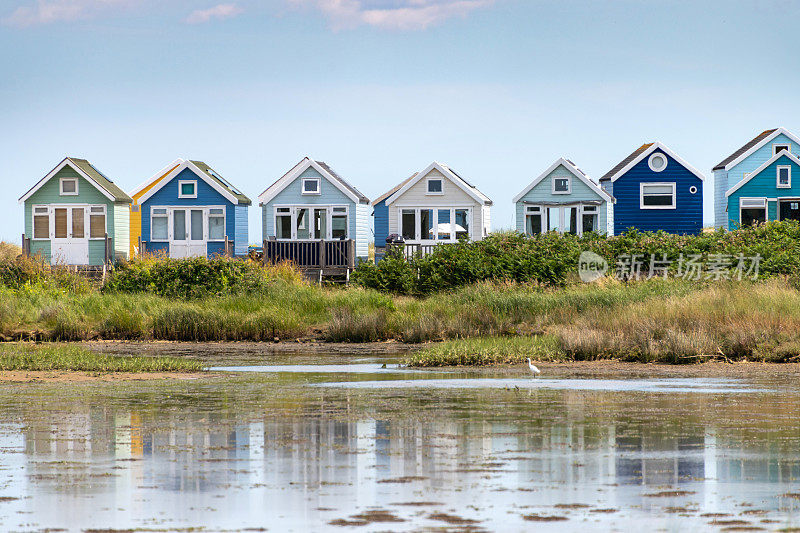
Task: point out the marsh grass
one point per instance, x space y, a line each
488 351
75 358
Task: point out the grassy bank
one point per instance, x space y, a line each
74 358
728 321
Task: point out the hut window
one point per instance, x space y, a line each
426 221
657 162
784 177
589 219
283 222
311 186
408 224
339 223
69 186
41 223
533 220
78 228
443 226
462 224
216 224
187 189
302 219
97 222
752 210
435 186
60 223
159 225
778 147
562 185
657 195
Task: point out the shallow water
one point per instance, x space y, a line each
359 447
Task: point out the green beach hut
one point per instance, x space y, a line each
75 215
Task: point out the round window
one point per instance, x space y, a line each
693 189
657 162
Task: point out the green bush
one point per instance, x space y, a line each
198 277
551 259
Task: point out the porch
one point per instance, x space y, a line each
317 258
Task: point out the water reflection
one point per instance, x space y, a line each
294 461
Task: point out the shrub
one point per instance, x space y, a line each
551 259
199 277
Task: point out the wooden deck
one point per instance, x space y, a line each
319 260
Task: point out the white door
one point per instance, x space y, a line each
70 242
188 237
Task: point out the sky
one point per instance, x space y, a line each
496 89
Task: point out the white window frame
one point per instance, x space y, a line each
165 215
48 214
428 186
308 180
762 200
779 200
293 208
181 183
207 217
553 184
562 216
61 187
644 184
653 156
778 183
418 223
532 210
206 209
87 212
775 146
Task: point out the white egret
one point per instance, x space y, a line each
533 367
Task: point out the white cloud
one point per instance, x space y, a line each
51 11
392 14
221 11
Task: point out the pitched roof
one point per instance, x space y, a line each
101 179
783 153
394 189
575 171
747 146
361 197
211 173
450 174
323 169
622 164
90 173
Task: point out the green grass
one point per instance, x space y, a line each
487 351
75 358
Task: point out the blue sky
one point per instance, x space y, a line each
497 89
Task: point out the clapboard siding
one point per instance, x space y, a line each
764 185
381 216
720 200
543 192
686 218
737 173
206 196
49 194
121 234
240 239
454 196
358 226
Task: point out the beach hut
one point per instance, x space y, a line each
655 190
76 215
563 199
432 207
315 218
755 183
189 210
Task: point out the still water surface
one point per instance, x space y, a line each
357 447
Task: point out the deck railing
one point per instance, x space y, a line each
312 254
408 250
